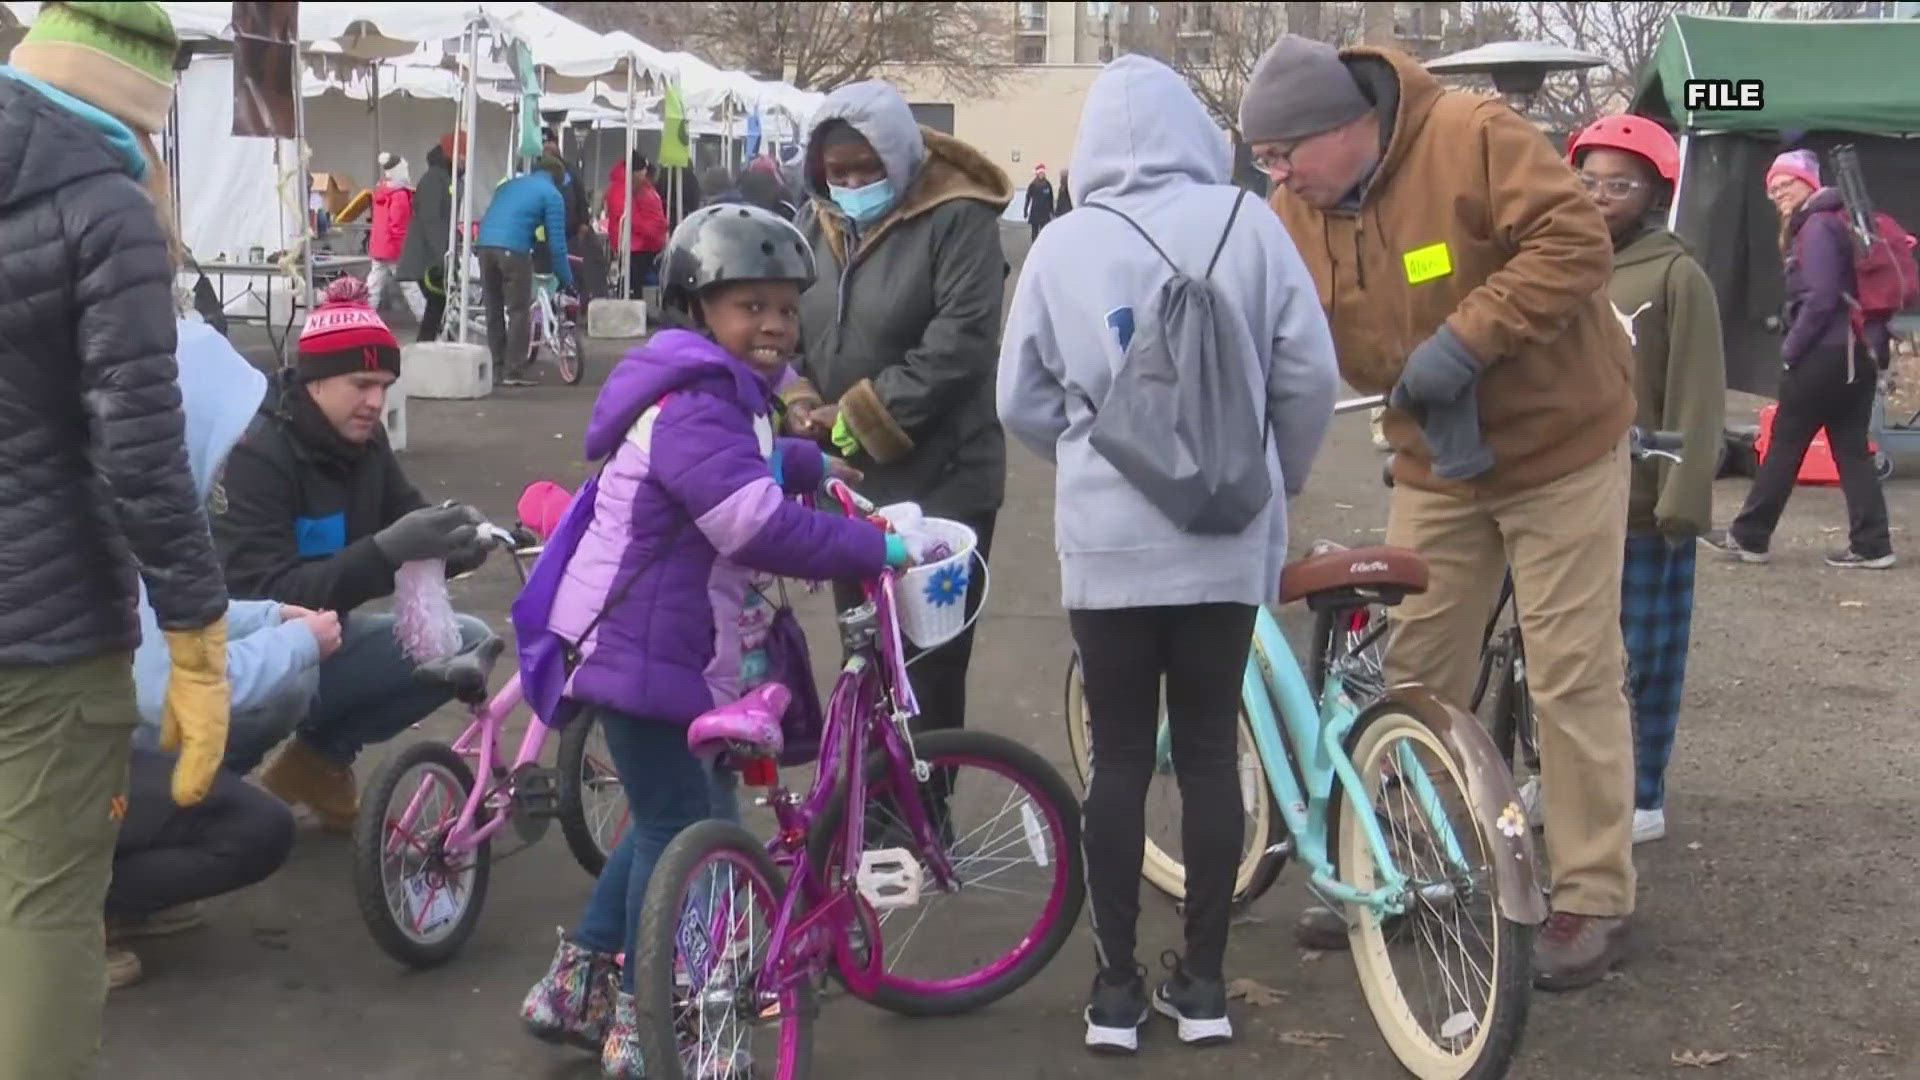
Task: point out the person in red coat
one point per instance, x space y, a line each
392 211
649 222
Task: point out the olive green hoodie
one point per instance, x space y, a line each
1666 305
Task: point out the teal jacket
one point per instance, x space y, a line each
522 205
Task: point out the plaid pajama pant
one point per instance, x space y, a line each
1656 622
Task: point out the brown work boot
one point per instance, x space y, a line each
300 776
123 969
1573 951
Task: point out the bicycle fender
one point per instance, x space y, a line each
1502 822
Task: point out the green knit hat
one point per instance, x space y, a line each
115 55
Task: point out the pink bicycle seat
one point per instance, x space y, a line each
752 722
542 506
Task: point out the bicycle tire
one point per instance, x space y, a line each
656 944
1042 780
1512 976
369 880
1260 866
570 801
571 343
1515 732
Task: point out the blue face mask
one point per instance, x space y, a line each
864 204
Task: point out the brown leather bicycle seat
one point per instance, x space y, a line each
1380 567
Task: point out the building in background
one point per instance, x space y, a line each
1058 47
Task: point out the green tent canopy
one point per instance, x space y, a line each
1856 75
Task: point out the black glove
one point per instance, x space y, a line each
431 532
469 557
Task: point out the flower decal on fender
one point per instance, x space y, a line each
948 586
1513 823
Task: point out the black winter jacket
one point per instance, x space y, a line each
903 332
93 460
300 509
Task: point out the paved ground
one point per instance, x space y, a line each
1774 924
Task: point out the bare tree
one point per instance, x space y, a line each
820 46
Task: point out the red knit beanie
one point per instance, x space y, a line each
344 335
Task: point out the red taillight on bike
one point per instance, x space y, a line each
760 772
1357 621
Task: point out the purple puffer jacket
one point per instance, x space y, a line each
1819 279
690 504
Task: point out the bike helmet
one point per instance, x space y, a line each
730 242
1635 135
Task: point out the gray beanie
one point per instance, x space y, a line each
1299 88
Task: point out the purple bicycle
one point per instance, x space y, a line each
737 935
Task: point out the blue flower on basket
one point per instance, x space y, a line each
948 586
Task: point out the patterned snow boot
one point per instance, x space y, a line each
620 1053
573 1003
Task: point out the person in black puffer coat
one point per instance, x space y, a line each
94 489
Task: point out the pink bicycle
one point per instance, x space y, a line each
423 845
737 936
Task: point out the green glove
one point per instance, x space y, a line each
843 437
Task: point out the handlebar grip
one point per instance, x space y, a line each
1658 442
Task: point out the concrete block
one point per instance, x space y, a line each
446 369
394 416
611 318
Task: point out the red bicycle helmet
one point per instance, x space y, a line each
1635 135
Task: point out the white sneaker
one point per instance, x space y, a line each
1530 802
1649 825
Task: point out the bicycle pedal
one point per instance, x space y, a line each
536 800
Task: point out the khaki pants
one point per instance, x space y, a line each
1565 542
65 738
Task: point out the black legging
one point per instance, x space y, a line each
1201 651
434 286
1817 393
169 855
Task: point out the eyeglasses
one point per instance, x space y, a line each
1781 188
1613 187
1270 160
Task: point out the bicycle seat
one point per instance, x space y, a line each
1334 576
465 673
751 723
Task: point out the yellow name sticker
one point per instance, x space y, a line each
1428 263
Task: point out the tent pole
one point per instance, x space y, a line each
466 187
373 66
625 223
1679 181
300 142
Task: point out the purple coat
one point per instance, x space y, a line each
692 502
1819 279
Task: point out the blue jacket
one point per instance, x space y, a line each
522 205
220 393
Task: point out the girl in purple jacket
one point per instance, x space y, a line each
665 594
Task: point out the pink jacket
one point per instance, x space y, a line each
392 210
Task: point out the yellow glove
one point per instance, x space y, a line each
194 720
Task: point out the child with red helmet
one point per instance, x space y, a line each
1667 309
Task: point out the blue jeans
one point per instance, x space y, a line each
363 694
667 790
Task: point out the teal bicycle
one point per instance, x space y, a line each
1400 809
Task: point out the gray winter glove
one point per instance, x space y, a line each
431 532
1437 389
1438 372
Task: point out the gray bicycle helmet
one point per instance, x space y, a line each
730 242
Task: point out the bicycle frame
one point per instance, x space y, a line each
481 743
1292 731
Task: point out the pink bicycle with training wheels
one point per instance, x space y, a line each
423 844
738 935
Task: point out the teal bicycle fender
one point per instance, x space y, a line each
1503 823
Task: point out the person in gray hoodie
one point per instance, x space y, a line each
1146 600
